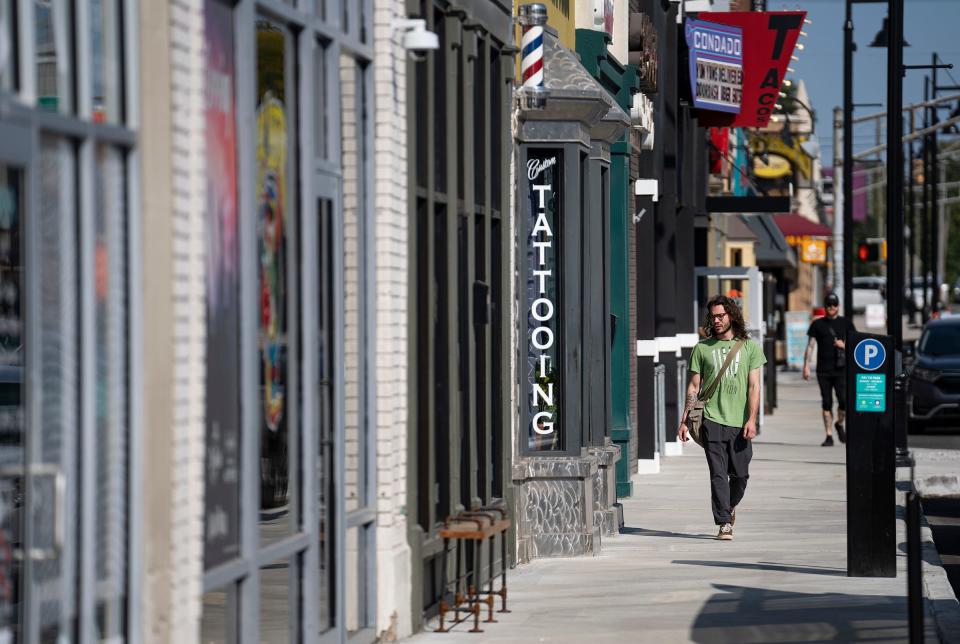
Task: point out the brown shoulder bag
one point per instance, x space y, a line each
695 415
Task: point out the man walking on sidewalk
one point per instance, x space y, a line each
730 413
829 334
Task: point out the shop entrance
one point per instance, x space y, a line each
65 409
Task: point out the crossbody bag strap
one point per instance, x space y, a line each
708 392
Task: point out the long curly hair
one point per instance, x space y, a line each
737 324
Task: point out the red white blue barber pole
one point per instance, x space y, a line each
533 91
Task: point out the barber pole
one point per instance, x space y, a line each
531 65
532 18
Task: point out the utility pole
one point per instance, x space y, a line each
911 221
895 246
942 232
847 179
925 214
839 268
935 200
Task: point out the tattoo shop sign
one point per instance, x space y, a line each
542 368
716 65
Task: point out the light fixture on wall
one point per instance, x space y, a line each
417 40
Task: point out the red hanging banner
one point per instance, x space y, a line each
769 38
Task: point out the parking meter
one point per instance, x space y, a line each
871 470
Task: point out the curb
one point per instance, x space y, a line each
938 485
940 606
940 599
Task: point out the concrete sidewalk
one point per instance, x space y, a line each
666 579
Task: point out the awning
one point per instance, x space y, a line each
796 225
772 249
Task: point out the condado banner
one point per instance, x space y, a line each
716 65
769 38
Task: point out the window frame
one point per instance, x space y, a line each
316 176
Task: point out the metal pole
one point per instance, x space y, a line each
839 268
848 161
914 566
943 233
895 221
911 225
934 202
925 214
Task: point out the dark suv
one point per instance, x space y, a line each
934 392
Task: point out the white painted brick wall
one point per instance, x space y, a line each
187 430
392 268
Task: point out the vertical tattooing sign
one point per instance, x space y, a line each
716 65
541 299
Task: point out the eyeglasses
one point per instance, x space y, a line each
833 306
717 316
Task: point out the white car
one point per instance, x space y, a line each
917 294
868 289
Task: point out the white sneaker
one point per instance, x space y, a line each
726 532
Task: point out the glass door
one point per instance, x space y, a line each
37 454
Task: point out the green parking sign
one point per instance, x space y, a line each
871 394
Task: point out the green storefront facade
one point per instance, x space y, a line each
622 82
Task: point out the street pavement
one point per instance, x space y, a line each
666 579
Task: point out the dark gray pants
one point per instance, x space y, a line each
728 456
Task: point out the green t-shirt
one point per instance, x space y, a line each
728 405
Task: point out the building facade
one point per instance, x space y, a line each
459 213
283 294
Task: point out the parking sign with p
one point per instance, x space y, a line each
869 354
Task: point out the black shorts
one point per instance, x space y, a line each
830 382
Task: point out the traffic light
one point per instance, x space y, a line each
872 250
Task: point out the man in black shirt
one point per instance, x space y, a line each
829 334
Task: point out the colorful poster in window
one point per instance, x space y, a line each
271 207
222 472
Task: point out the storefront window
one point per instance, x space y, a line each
105 49
279 601
275 219
58 337
8 55
222 472
214 622
110 289
51 20
327 431
542 366
12 512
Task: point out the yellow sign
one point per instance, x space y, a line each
813 251
773 144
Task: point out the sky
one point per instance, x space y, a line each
929 26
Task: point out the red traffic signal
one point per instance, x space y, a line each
872 251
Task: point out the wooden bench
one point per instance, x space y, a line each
477 526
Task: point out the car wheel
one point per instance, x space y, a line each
917 426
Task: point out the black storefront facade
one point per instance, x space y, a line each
564 480
459 145
671 235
